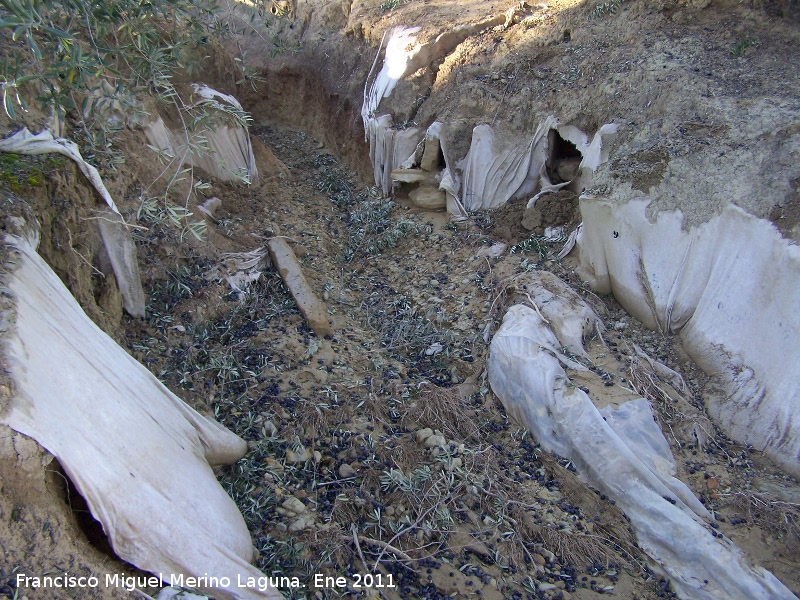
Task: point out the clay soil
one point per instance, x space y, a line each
346 425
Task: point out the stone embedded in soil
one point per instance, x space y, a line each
346 471
493 251
430 156
210 206
413 176
274 465
293 505
302 522
294 456
428 197
435 441
424 434
286 263
269 429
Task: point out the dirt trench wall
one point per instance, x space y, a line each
704 100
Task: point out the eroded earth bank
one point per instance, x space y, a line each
375 441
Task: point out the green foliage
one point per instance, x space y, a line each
93 60
535 243
742 45
606 8
388 5
20 171
68 45
371 229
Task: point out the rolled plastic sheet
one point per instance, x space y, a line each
622 453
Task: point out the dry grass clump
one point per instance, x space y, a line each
613 540
445 409
780 518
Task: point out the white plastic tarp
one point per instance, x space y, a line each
138 454
730 288
498 168
229 153
116 236
121 252
624 455
24 142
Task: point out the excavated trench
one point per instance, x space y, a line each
385 438
562 165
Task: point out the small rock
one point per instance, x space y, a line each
428 197
539 559
436 441
294 505
712 483
300 251
317 457
346 471
493 251
545 587
424 434
272 229
210 206
294 456
274 465
269 429
302 522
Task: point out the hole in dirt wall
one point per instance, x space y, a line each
563 160
63 487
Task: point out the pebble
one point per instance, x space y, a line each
546 587
346 471
274 465
294 505
436 441
424 434
269 429
302 522
295 456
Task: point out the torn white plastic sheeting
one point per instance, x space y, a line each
389 149
401 48
24 142
729 287
404 56
243 269
625 459
569 317
137 454
498 168
594 152
121 253
117 239
229 155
